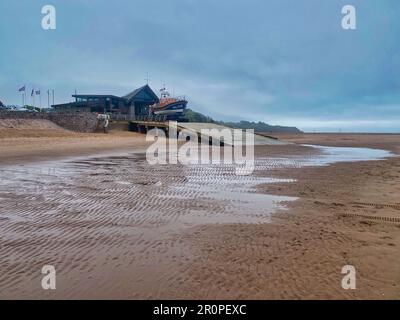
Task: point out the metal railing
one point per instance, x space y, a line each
140 117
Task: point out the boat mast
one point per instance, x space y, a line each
164 92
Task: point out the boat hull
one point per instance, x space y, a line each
170 109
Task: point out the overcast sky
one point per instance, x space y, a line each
285 62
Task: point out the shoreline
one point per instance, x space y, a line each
66 144
298 255
337 220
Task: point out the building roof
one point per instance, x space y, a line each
94 96
143 93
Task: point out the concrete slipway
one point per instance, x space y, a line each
215 133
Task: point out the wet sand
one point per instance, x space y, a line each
346 214
21 146
115 227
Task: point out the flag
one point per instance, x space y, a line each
37 92
21 89
32 93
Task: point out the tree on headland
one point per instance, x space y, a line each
193 116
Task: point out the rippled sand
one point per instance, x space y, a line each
112 226
116 227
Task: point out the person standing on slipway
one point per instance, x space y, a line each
104 119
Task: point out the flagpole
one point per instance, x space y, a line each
52 90
48 98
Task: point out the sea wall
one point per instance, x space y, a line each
78 121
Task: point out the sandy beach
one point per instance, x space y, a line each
115 227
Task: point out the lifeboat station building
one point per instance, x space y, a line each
134 105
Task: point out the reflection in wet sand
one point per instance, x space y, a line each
115 227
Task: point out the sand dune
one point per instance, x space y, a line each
28 124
